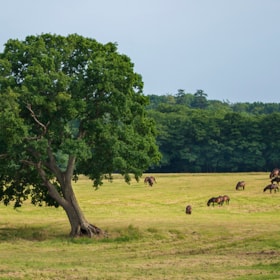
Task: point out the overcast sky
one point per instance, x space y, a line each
228 48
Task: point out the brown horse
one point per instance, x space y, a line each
150 180
240 184
275 180
219 200
226 199
188 209
274 173
271 187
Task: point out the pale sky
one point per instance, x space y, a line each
228 48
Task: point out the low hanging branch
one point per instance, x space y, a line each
44 127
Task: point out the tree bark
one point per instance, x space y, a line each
79 225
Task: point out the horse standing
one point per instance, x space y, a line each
271 187
188 209
275 180
150 180
274 173
226 199
240 184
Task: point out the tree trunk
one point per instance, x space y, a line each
79 225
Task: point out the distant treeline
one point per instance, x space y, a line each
200 135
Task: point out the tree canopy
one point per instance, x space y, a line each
219 137
69 106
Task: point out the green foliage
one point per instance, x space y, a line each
218 137
69 103
12 126
200 100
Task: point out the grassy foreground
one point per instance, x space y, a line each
149 234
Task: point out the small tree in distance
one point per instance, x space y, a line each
200 99
69 106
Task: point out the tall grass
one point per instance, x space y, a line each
149 234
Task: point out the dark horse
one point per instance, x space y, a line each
275 180
240 184
274 173
219 200
150 180
188 209
271 187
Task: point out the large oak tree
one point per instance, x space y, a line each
69 106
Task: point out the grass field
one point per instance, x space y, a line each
149 234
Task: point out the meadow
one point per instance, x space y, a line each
149 234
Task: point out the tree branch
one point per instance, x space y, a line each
53 166
70 167
3 156
44 127
27 162
51 189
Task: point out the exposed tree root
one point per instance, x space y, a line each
90 231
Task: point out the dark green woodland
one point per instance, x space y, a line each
200 135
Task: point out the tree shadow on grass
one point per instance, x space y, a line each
29 233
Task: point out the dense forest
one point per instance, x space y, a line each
200 135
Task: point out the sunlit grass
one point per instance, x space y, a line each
149 234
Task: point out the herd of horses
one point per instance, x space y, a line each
221 199
273 186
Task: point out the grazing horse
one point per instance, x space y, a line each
188 209
240 184
219 200
271 187
150 180
275 180
226 199
274 173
